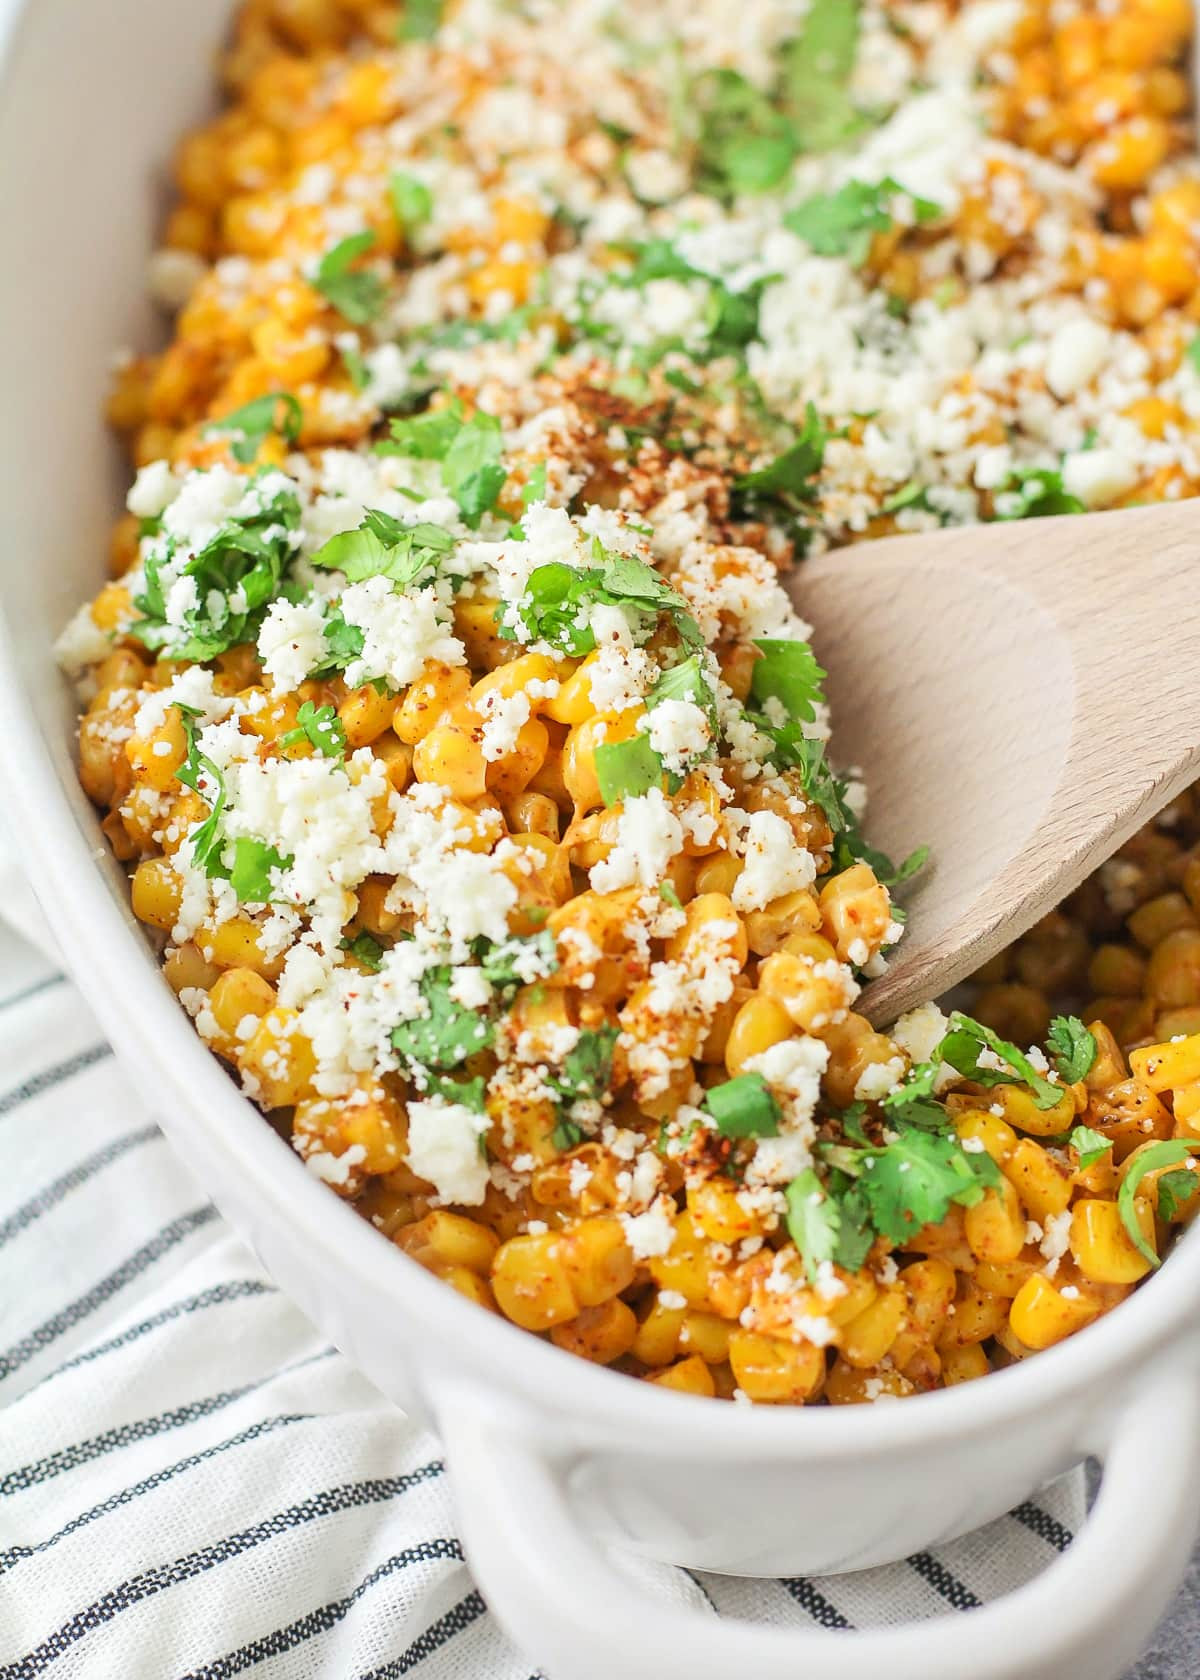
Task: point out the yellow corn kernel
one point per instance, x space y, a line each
850 1387
1041 1315
964 1364
976 1316
705 1334
1151 922
185 967
444 1239
1021 1111
715 1207
996 1225
759 1023
278 1062
1101 1245
813 994
238 1001
156 893
597 1260
532 813
769 928
531 1282
657 1339
439 689
690 1376
155 758
855 910
1161 1067
869 1337
718 874
996 1135
449 757
365 714
235 944
1044 1189
712 932
512 773
774 1371
601 1334
579 754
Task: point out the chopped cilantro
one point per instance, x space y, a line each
250 872
469 452
669 896
584 1076
419 20
1175 1190
566 1135
1171 1153
411 200
1037 493
321 727
534 488
843 223
383 547
254 422
1072 1048
237 573
1192 354
743 1107
1089 1146
627 769
199 773
787 672
358 294
828 1223
967 1042
686 681
366 949
356 368
818 65
914 1178
449 1034
554 607
471 1093
745 144
344 644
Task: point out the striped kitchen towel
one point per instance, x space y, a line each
193 1483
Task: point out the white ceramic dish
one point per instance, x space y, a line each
551 1458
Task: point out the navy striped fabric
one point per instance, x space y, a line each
193 1484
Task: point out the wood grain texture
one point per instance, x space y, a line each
1021 696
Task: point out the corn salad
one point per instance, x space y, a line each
467 752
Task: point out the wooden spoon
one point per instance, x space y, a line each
1022 696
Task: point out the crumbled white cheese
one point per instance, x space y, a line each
444 1148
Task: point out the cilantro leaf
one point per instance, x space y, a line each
471 1093
237 574
425 437
1192 354
817 70
968 1040
813 1220
686 681
411 200
743 1107
419 20
1038 493
198 772
358 294
1072 1048
344 644
256 420
366 949
669 896
627 769
554 606
250 872
788 672
843 223
789 476
321 727
471 468
587 1066
915 1179
1089 1146
510 963
383 547
1171 1153
745 144
1175 1190
449 1034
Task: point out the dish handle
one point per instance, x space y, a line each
567 1603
